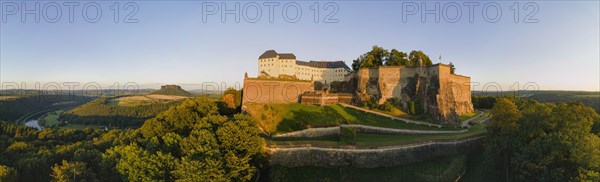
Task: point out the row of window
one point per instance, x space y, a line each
335 75
270 60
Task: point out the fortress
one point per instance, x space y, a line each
276 65
433 89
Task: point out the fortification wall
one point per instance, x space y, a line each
335 131
372 157
455 96
367 81
441 94
274 91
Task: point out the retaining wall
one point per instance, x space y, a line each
371 158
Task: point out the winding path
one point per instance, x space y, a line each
465 123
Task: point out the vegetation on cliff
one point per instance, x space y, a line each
231 102
378 56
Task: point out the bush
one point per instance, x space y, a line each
387 106
411 107
7 174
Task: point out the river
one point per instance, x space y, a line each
33 123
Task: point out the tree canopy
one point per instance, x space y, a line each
187 142
378 56
532 141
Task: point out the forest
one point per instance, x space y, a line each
188 142
99 112
532 141
22 105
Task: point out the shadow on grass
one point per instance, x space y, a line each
302 119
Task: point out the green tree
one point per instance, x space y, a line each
531 141
397 58
418 58
137 164
452 68
501 131
374 58
557 143
72 171
179 119
379 55
7 174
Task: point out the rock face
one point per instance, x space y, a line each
431 89
262 91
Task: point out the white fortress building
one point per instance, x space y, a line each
284 65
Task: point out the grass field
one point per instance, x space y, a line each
50 119
8 97
439 169
278 118
467 116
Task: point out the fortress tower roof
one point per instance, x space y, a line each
324 64
273 54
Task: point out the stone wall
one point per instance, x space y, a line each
325 98
335 131
274 91
370 157
443 95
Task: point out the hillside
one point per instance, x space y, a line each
280 118
104 111
171 90
591 99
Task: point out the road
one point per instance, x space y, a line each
465 123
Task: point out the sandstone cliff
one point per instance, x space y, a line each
432 89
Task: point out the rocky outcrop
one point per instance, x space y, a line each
431 89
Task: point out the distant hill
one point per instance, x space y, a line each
589 98
172 90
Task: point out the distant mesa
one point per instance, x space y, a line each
171 90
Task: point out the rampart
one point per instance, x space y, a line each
274 91
436 91
370 157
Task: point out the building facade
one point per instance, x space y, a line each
285 65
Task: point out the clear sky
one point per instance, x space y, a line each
171 43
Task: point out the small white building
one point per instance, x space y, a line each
282 65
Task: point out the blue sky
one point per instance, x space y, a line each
172 44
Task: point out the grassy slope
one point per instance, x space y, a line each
277 118
50 119
467 116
